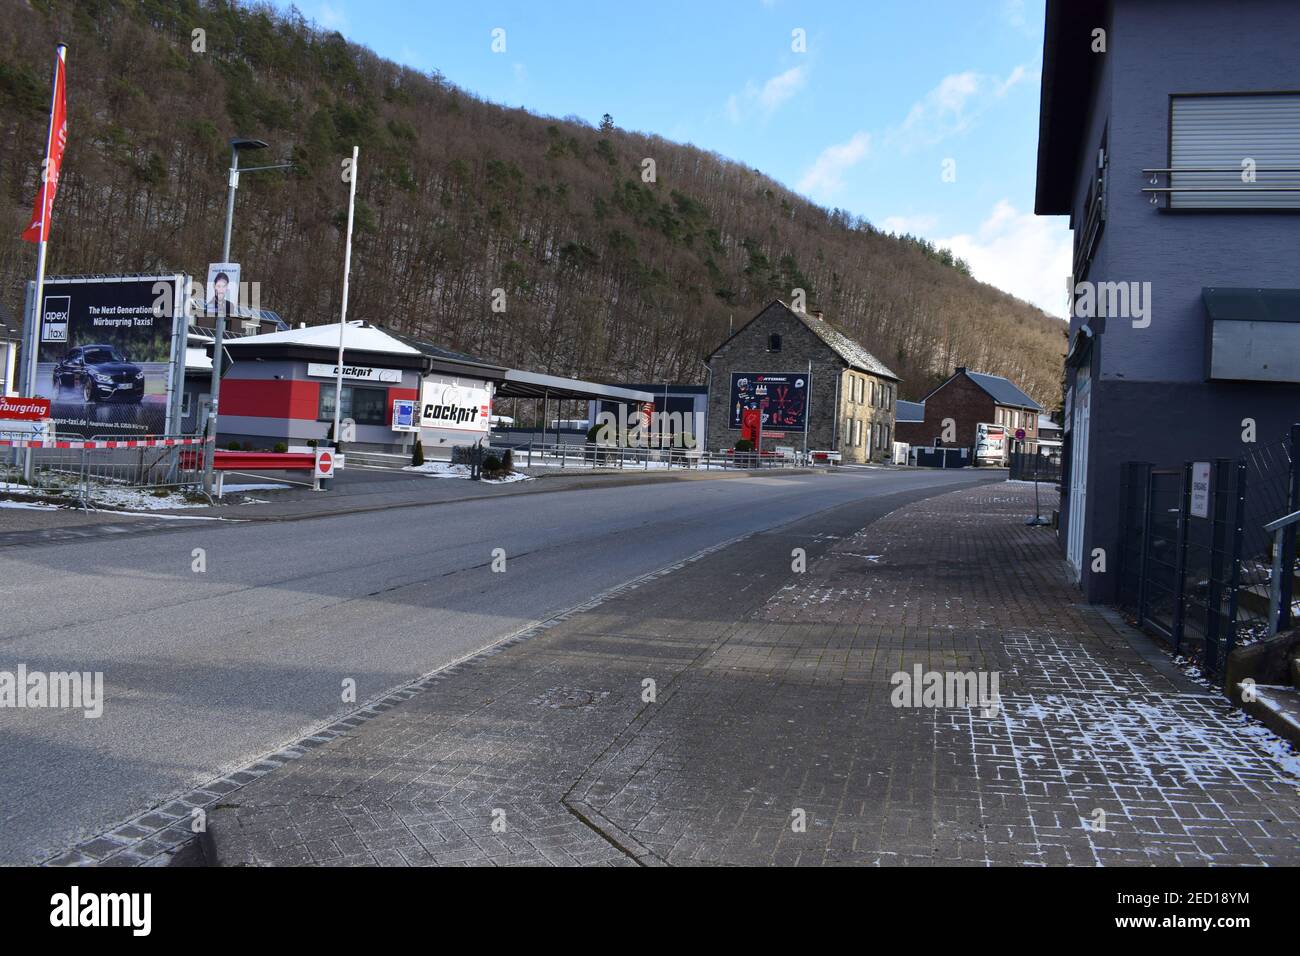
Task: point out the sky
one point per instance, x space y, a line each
920 115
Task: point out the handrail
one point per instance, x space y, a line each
1222 169
1284 522
1277 528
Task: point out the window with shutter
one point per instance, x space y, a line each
1235 152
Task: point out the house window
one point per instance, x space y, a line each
774 342
365 406
857 432
1248 144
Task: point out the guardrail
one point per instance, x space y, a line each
101 468
561 455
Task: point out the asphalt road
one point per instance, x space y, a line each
206 671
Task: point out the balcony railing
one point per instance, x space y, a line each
1199 185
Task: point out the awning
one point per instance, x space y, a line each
517 384
1252 305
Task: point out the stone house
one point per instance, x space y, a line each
802 372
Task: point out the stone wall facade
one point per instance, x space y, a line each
835 415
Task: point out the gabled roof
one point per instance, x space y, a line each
850 351
909 411
1002 390
357 338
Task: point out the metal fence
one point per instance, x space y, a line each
104 469
1040 466
1196 563
560 455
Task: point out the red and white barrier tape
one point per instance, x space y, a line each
111 443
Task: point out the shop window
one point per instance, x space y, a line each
365 406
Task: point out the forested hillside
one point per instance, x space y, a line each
605 276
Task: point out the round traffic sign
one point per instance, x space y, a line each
1020 434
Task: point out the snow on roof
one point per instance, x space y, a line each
358 338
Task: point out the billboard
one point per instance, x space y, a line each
455 406
223 288
781 398
107 356
990 441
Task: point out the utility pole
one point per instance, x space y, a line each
237 145
343 320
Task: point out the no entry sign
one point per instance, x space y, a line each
324 463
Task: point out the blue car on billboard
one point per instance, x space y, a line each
101 373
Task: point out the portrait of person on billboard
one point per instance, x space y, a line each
222 290
106 351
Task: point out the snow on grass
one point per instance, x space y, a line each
441 469
31 505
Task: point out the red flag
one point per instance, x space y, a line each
39 230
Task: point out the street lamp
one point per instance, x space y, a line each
237 145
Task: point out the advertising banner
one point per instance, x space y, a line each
107 354
355 373
404 415
781 399
222 292
990 441
459 407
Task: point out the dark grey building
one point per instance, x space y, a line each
1170 135
801 371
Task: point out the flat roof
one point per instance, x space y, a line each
1069 68
520 384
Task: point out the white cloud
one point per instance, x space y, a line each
1026 255
332 16
769 97
952 107
781 87
825 175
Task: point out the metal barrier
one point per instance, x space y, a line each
102 468
537 454
1035 466
1215 577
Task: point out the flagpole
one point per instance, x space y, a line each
60 54
343 321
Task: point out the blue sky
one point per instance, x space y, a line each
886 98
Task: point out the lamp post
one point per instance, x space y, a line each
237 145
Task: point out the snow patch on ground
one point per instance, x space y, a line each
441 469
31 505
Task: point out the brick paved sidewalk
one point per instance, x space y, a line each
772 705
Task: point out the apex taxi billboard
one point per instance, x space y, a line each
108 354
780 397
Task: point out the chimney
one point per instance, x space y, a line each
961 370
817 314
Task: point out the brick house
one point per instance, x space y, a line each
969 399
846 403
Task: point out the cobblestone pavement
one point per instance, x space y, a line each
768 736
